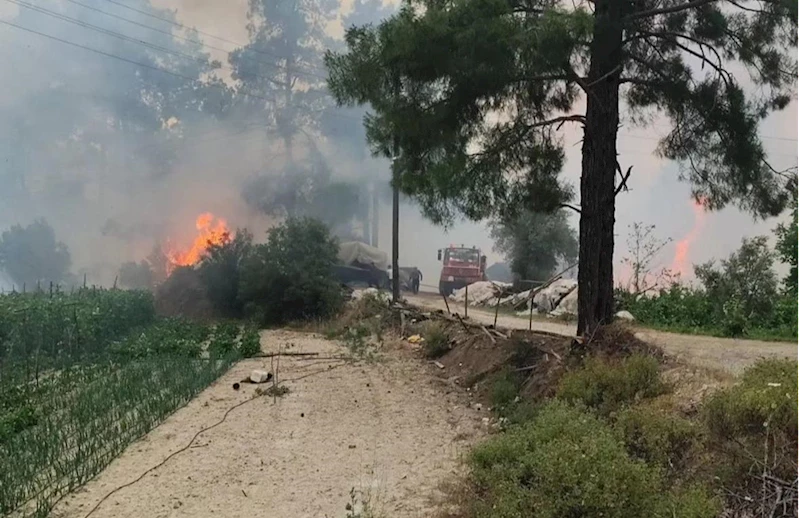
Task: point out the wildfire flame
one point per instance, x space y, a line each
210 231
680 262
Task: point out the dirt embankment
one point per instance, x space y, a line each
728 354
390 430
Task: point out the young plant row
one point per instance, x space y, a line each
60 431
41 331
79 419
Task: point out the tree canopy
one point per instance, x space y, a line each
535 243
787 248
32 256
474 92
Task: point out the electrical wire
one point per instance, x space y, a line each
196 42
185 27
108 32
241 92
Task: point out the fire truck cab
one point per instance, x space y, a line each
460 266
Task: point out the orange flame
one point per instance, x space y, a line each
211 231
680 262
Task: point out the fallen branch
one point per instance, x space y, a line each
462 323
493 340
278 354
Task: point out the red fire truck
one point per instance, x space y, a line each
461 266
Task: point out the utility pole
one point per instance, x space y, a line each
395 278
375 214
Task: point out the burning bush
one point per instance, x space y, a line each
290 277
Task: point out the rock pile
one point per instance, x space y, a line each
557 299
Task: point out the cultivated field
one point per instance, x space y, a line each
85 374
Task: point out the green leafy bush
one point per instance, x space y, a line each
250 342
568 462
507 401
694 501
753 420
290 277
607 386
436 341
739 297
764 398
504 391
220 272
658 436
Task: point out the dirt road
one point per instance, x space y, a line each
387 429
729 354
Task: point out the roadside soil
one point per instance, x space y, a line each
727 354
390 430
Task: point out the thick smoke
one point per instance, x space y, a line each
118 155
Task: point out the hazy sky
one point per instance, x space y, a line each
656 195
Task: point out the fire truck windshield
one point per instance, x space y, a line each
462 255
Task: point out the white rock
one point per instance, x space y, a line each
550 297
258 376
625 315
567 306
480 293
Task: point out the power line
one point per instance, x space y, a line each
182 26
114 56
766 137
157 69
196 42
108 32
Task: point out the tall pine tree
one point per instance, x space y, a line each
475 91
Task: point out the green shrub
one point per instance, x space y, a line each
658 436
608 386
250 342
356 339
691 502
290 277
220 272
567 462
737 297
436 341
764 398
755 420
504 390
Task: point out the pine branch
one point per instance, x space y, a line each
570 206
624 177
667 10
672 37
558 120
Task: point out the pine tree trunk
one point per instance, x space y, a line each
597 184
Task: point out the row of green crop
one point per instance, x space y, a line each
80 418
84 374
40 330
